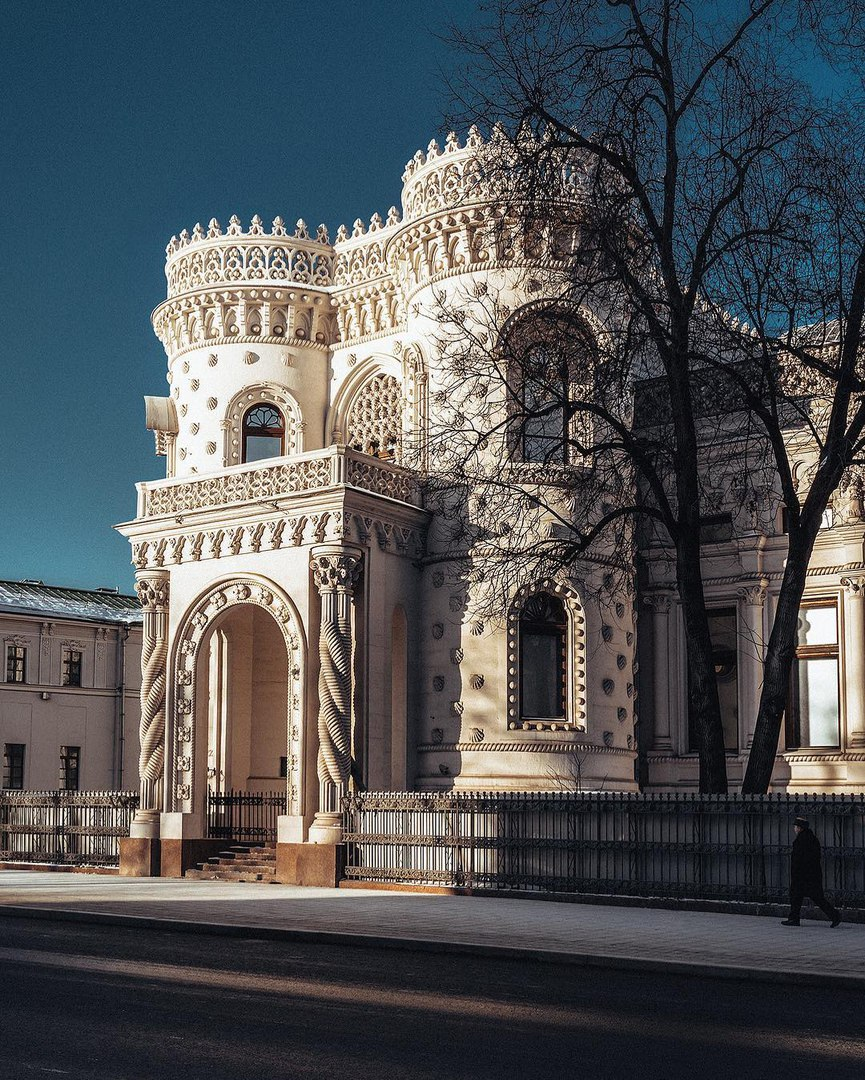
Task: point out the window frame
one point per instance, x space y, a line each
68 666
67 754
266 432
831 651
10 769
559 631
16 663
564 333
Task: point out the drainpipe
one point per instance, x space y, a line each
120 712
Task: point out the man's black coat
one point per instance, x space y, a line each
806 871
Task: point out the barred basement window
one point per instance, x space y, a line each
263 433
374 424
13 766
543 658
70 762
71 671
16 663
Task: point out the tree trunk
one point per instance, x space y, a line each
703 704
780 653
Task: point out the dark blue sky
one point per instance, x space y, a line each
122 124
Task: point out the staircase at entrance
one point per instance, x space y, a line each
240 862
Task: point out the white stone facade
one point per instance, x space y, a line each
303 624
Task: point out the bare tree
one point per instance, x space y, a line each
717 221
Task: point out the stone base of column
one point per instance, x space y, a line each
856 740
290 829
326 828
139 856
320 865
145 825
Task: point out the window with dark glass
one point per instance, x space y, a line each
13 766
723 635
263 433
16 663
71 671
550 363
70 764
812 717
543 658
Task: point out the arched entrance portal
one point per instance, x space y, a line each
237 702
245 699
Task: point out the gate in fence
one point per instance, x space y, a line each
727 847
65 827
246 816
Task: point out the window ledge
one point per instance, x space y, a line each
545 725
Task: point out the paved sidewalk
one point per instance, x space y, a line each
706 943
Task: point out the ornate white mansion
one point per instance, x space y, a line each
301 629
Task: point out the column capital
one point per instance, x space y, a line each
853 586
754 592
152 587
335 567
659 602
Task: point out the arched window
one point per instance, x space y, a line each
375 418
551 367
263 433
543 658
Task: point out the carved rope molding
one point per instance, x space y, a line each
153 593
194 628
335 572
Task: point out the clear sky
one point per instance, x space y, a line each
121 124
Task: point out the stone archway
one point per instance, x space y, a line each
187 742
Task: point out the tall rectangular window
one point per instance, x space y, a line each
13 766
71 672
813 711
723 634
16 663
70 763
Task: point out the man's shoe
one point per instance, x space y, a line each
789 922
836 921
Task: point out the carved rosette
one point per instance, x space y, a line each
153 592
335 572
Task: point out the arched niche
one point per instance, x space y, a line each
186 738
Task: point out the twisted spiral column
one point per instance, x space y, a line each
153 590
335 571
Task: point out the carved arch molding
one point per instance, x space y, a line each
194 629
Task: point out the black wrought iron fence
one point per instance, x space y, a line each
65 827
247 816
688 846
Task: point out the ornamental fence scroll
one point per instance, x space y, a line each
684 846
80 828
311 472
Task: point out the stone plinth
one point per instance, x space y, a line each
139 856
310 864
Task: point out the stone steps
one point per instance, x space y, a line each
240 862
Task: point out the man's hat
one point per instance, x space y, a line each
801 822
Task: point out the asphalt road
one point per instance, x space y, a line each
106 1003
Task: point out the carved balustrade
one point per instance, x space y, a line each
315 471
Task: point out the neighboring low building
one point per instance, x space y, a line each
69 699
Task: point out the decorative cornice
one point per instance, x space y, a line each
545 747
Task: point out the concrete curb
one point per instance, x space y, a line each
504 952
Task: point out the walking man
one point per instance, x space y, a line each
806 876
